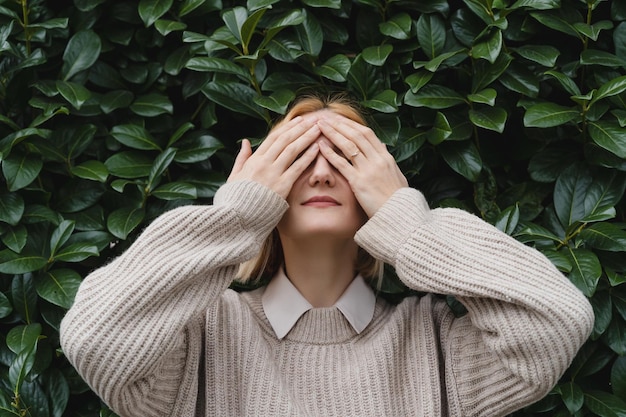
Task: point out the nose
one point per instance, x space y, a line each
322 172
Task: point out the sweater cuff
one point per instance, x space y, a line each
259 208
384 233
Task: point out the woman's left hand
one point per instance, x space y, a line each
370 169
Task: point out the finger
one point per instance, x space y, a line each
291 152
301 164
284 134
363 136
347 143
244 153
339 162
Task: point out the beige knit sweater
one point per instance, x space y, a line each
157 333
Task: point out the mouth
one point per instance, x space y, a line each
321 201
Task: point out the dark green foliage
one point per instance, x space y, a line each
113 111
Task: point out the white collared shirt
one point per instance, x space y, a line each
284 305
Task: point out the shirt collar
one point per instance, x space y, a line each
284 305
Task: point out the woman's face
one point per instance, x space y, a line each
321 204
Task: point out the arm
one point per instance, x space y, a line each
526 321
124 331
135 332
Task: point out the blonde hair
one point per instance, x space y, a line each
270 258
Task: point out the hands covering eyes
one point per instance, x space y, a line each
289 149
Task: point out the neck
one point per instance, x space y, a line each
320 270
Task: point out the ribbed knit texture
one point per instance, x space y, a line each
157 333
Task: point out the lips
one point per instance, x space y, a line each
321 201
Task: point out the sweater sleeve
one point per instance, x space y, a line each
525 320
135 326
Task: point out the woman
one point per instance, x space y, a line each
318 206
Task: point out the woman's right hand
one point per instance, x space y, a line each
278 162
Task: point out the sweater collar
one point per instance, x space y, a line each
283 304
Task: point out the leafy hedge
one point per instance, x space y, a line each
113 111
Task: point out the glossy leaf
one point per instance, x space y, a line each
377 55
76 252
82 50
11 208
151 10
431 34
549 115
434 96
135 137
175 191
398 27
491 118
15 238
542 54
91 170
463 157
586 270
129 165
124 220
605 236
152 105
384 102
21 169
335 68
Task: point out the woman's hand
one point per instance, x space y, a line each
277 163
370 169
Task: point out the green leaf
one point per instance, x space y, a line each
418 79
542 54
249 26
566 82
58 286
234 96
556 21
117 99
5 306
537 4
310 34
441 129
15 238
570 193
377 55
601 58
21 169
165 27
489 49
605 236
76 252
129 164
549 115
13 263
397 27
135 137
434 96
508 220
219 65
463 157
81 52
491 118
91 170
151 10
14 138
60 235
197 147
234 19
151 105
11 208
611 88
124 220
23 337
572 396
384 102
277 102
161 163
189 6
74 93
586 270
22 366
176 191
609 135
604 404
335 68
592 31
431 34
330 4
618 377
486 96
602 311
